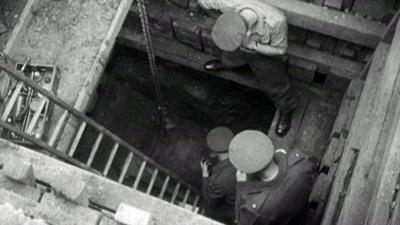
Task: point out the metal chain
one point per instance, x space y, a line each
153 69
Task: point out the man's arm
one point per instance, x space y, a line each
221 5
269 50
211 192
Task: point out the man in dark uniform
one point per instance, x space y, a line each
219 182
254 33
272 187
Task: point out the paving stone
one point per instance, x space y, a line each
132 216
188 34
70 208
347 52
314 40
19 170
159 21
181 3
72 188
108 221
297 35
11 216
20 188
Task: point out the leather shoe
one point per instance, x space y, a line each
214 65
284 122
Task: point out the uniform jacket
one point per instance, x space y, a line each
281 200
219 191
271 28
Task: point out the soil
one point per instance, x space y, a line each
67 34
10 10
195 103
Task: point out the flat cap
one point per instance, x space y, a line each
229 31
251 151
218 139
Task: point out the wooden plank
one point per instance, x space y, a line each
187 56
334 64
334 4
387 172
374 105
338 187
337 66
313 136
348 108
390 29
334 23
363 136
287 142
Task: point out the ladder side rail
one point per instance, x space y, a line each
20 77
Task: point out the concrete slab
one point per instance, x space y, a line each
132 216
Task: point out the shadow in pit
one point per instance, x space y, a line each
195 103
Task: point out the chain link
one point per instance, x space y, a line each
162 112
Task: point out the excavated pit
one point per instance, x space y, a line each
195 103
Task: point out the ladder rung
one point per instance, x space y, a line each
36 116
11 102
60 124
94 149
111 159
153 179
176 191
164 187
139 175
125 168
77 138
185 198
196 201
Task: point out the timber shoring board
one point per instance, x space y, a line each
369 133
347 108
363 135
61 33
186 56
325 61
313 135
388 171
334 23
99 190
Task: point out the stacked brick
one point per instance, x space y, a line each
184 22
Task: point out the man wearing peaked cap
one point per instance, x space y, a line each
272 186
219 182
254 33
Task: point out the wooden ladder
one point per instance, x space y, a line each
170 187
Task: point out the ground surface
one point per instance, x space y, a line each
10 10
196 103
67 34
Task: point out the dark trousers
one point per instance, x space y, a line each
269 71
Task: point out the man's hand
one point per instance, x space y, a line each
204 164
241 176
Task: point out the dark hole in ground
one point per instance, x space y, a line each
196 103
319 78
